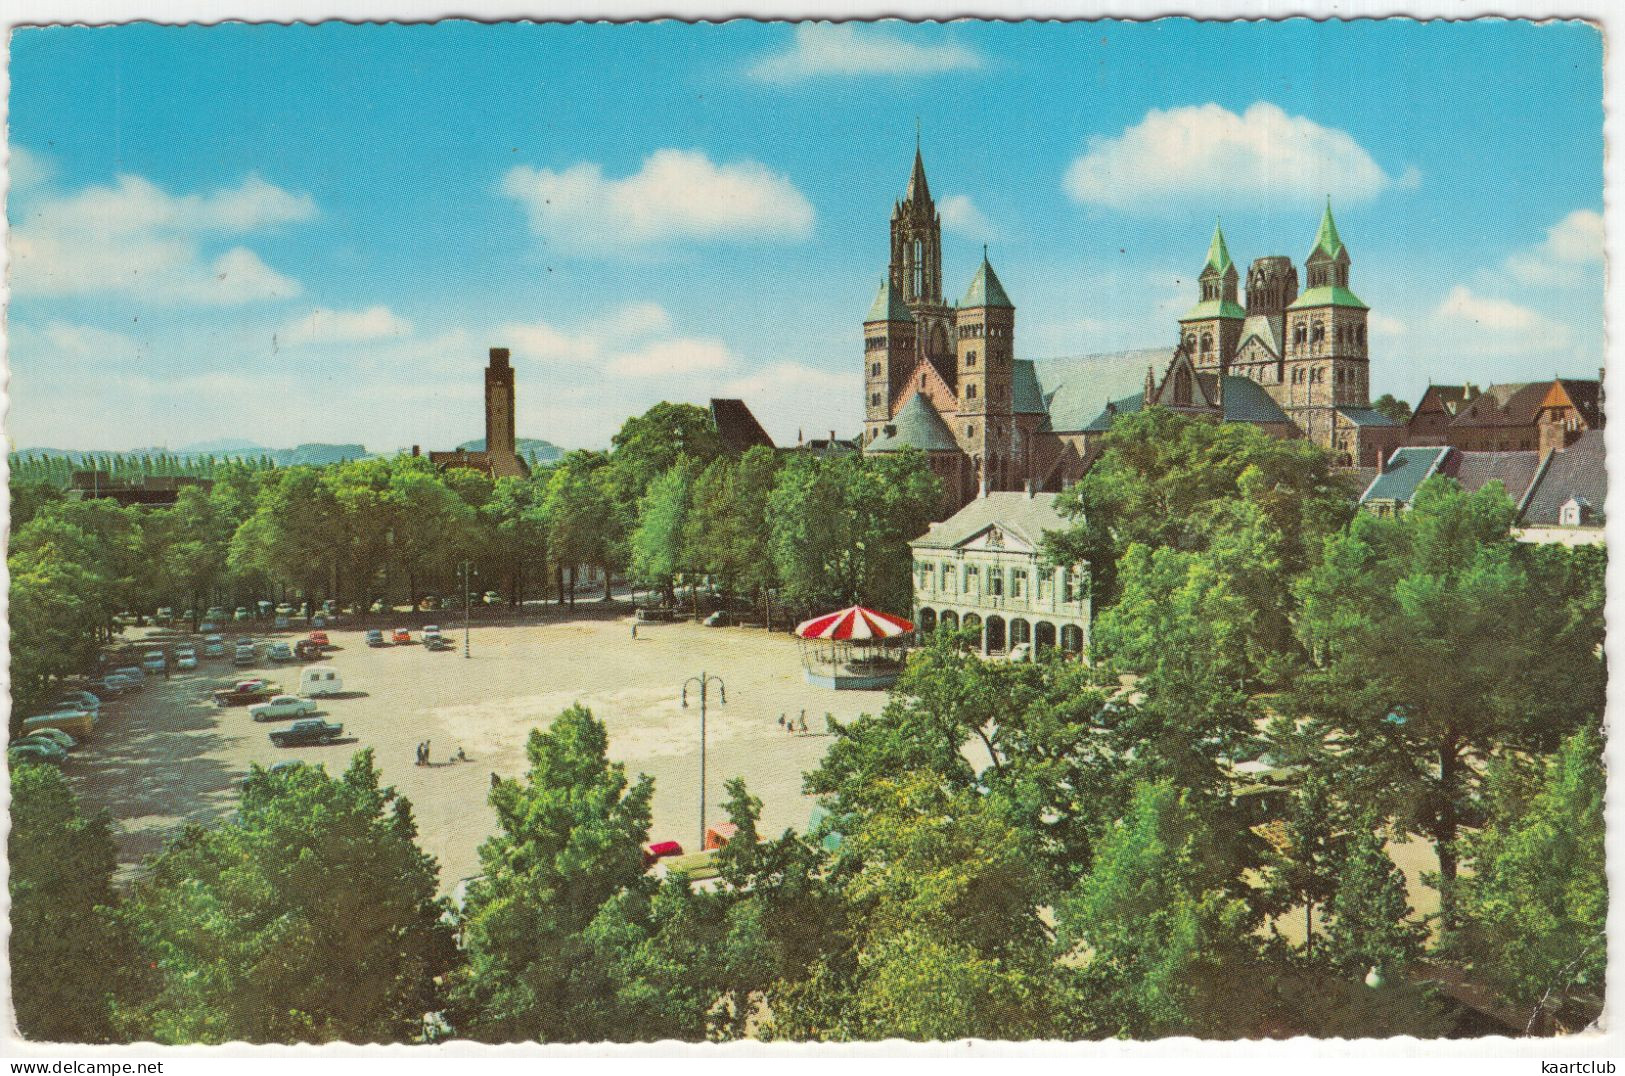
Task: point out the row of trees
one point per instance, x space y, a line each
57 471
666 503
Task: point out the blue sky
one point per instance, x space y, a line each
305 233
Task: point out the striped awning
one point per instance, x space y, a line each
854 623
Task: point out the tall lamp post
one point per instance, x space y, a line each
704 683
467 571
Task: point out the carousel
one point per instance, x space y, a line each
856 649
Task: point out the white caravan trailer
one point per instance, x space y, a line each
317 680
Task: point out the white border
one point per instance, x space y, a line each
1329 1056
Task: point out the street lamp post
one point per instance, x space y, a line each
704 682
467 570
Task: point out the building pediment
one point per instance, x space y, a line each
996 539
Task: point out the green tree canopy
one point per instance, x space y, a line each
310 917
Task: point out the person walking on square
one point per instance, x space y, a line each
803 721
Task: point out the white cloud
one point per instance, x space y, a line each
671 358
135 239
1572 249
327 326
1385 324
961 215
1485 325
823 49
677 195
26 169
1208 152
632 342
790 396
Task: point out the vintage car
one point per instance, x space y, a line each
312 730
282 706
245 692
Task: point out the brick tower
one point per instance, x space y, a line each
1327 365
985 326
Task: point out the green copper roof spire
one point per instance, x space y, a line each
1327 241
985 289
1218 255
887 306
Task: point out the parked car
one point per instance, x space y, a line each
263 607
493 598
318 621
284 609
281 622
154 661
400 636
214 646
188 615
85 699
165 614
77 724
185 658
132 672
720 619
279 652
56 736
281 706
208 626
38 740
114 685
312 730
375 637
376 607
244 654
320 639
320 680
305 650
246 692
242 613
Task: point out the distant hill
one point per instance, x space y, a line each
220 447
544 451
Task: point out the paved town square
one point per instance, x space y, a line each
168 755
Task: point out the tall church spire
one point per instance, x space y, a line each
918 188
916 243
1218 255
1327 241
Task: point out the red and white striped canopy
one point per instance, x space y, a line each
854 623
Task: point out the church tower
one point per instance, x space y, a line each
916 268
986 328
890 351
1211 331
1327 365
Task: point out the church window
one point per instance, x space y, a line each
874 370
1319 335
970 358
970 430
1182 387
970 392
1190 342
1300 333
874 399
1207 343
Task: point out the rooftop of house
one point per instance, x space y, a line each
1025 515
1579 471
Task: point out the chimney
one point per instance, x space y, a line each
416 451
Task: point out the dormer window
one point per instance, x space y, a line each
1576 511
